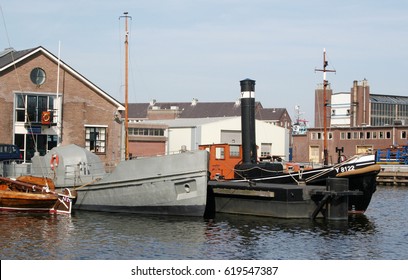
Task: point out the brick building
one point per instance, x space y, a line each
358 122
39 110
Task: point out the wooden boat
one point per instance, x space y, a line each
34 194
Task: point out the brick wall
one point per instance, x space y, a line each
82 105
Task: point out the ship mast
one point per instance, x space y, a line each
125 15
325 104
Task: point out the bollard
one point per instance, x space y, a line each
337 208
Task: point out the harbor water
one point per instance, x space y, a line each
380 234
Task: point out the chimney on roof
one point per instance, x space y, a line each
194 102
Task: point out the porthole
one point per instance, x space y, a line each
37 76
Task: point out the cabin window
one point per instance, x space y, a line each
95 139
219 153
234 151
403 134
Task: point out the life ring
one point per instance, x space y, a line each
342 158
46 117
54 161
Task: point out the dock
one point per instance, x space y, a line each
393 175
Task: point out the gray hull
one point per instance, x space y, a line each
173 185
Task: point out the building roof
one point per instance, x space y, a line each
204 110
388 99
10 57
187 122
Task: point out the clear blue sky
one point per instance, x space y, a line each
185 49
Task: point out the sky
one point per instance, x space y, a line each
185 49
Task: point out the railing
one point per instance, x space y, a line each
14 168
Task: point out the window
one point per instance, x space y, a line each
266 149
34 105
37 76
317 135
95 139
30 143
403 134
234 151
219 153
146 131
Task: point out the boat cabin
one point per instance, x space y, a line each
223 159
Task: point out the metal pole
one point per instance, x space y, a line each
126 85
325 104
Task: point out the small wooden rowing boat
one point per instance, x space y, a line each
34 194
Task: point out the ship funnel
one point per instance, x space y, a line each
248 121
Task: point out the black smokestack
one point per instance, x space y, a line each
248 121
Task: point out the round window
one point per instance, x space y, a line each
37 76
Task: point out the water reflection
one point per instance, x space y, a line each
36 236
269 238
380 234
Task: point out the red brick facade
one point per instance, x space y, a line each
84 104
357 136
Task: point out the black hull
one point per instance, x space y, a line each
364 181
